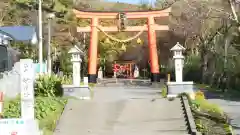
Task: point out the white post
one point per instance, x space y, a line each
178 69
100 73
27 88
76 73
49 61
40 51
85 81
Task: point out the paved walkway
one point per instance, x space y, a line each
121 110
230 104
232 108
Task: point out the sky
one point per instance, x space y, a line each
130 1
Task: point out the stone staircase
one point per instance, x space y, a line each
123 111
146 117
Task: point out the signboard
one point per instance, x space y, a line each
18 127
27 88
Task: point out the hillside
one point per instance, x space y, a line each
24 12
102 5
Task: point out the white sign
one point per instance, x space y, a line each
18 127
27 88
27 78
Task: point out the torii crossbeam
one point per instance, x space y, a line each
151 27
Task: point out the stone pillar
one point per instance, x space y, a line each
76 61
76 73
178 69
27 90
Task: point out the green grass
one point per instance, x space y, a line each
49 122
47 111
214 119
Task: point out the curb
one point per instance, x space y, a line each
57 122
189 117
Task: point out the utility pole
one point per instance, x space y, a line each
40 47
49 60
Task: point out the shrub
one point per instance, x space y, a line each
48 86
199 95
203 105
66 79
12 108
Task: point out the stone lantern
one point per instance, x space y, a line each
179 86
178 60
76 61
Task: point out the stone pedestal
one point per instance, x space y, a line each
79 92
16 126
176 88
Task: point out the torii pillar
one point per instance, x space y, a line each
151 28
93 51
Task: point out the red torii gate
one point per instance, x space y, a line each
151 27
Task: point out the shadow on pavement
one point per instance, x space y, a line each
229 95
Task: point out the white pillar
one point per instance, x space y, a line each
76 73
178 69
100 73
27 90
76 61
49 61
40 49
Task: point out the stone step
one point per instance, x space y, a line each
180 132
151 118
138 132
120 111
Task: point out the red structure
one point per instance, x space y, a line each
151 27
124 68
